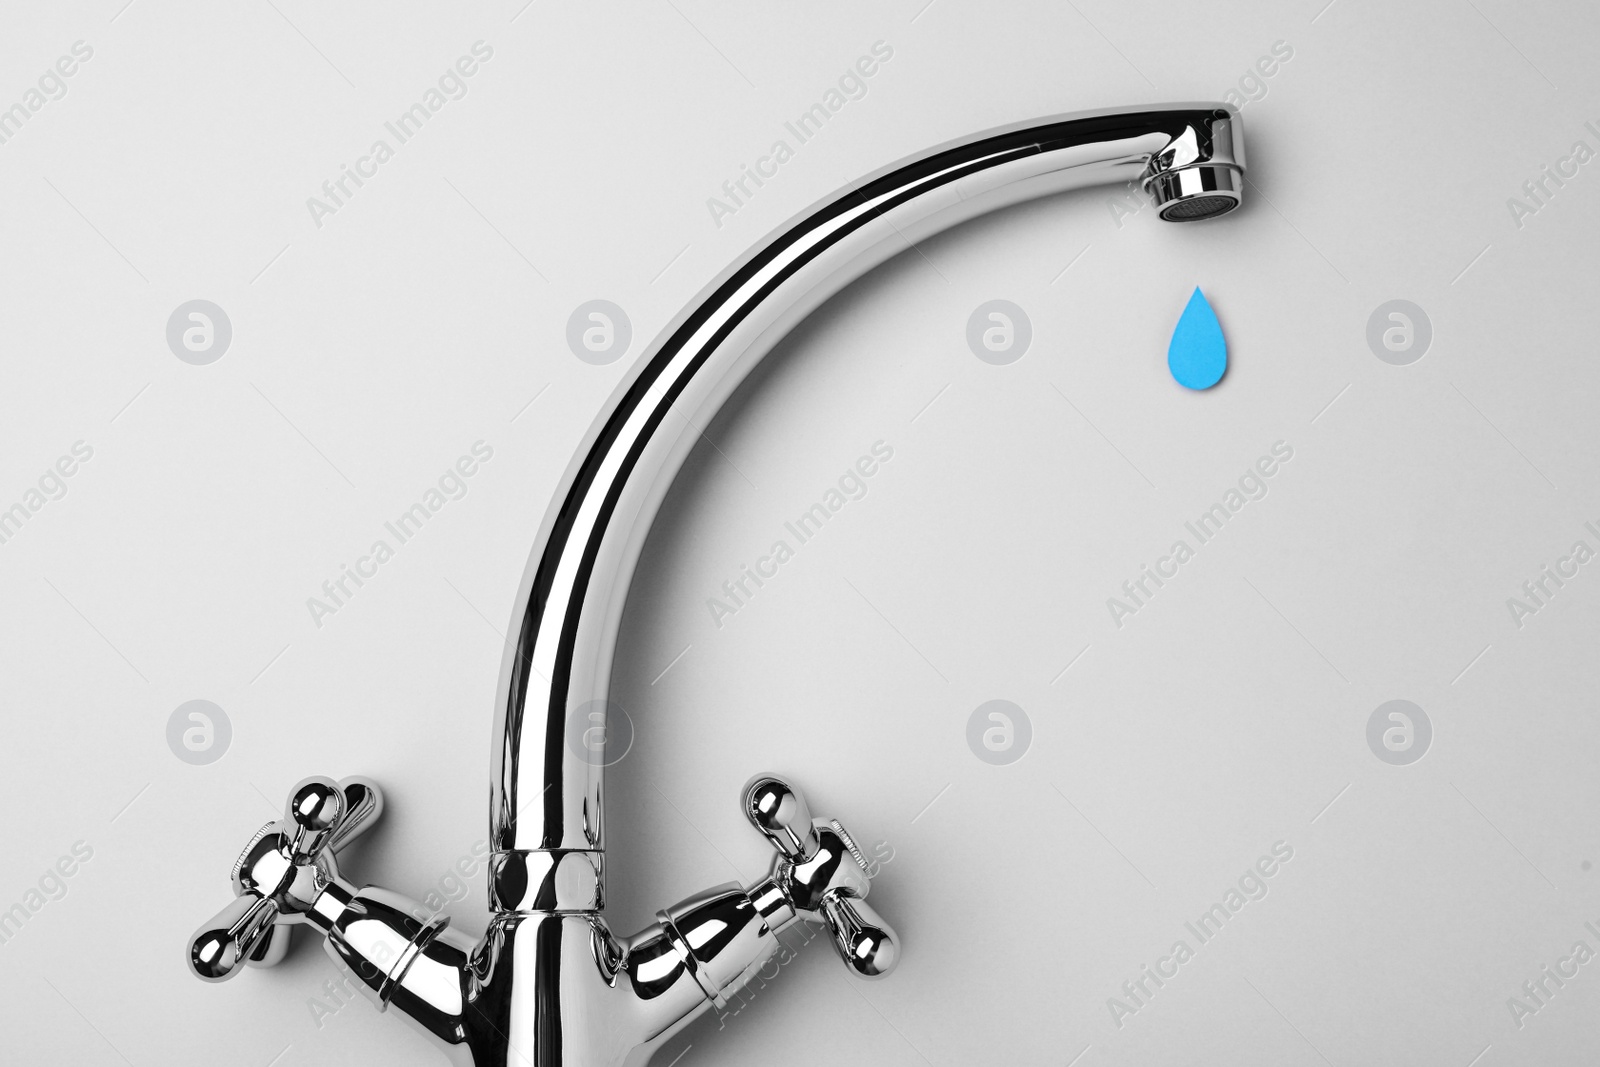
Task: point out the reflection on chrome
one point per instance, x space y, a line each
549 984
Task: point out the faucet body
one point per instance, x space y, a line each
549 984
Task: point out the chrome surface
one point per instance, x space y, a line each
283 870
549 984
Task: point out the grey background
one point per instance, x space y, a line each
1167 755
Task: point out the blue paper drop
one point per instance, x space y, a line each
1198 354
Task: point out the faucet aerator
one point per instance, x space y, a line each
1194 193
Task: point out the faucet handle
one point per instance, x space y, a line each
779 810
866 944
363 803
822 874
324 815
314 811
232 936
864 941
281 872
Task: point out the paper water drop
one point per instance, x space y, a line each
1198 354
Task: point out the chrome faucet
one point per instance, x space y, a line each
549 984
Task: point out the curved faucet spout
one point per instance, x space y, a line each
546 814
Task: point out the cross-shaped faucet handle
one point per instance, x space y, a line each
280 873
822 873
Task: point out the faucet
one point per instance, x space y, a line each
549 984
